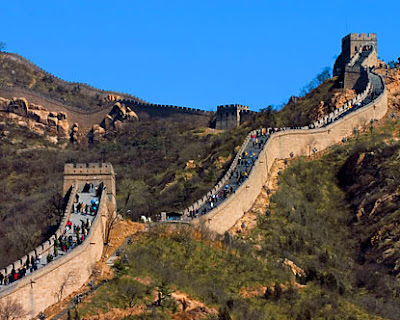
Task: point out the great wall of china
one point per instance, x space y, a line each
140 106
64 275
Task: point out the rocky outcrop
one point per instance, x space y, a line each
115 119
118 115
35 118
98 133
75 133
55 124
340 98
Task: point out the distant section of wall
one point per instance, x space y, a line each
147 111
280 145
144 109
232 115
85 86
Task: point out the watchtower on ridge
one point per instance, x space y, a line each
351 44
359 52
91 173
230 116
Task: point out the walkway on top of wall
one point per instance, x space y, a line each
216 198
238 176
70 239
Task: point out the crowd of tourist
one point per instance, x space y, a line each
257 140
242 170
73 235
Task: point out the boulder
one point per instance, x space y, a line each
62 116
108 122
38 115
33 106
4 104
63 128
131 115
97 133
118 124
39 128
19 106
52 139
22 123
74 137
52 120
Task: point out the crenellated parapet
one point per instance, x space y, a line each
107 93
232 115
359 52
96 173
367 106
52 280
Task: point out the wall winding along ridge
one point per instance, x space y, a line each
138 104
327 131
68 273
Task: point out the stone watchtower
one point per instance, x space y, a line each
351 73
351 44
230 116
91 173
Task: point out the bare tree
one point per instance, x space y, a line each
112 220
11 310
69 279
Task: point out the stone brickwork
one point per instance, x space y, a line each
300 142
66 274
359 52
351 45
353 42
91 172
231 116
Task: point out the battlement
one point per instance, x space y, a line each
95 173
231 115
353 42
360 37
348 66
88 168
232 107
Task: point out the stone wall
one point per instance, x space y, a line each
352 45
280 145
91 172
146 111
231 116
64 275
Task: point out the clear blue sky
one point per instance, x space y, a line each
194 53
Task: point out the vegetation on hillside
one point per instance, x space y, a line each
349 260
14 73
149 158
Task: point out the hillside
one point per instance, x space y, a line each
328 250
150 158
18 73
329 234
